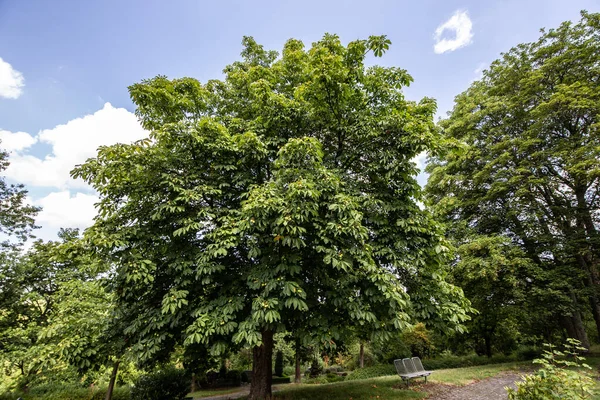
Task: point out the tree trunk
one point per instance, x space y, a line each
113 379
262 369
361 355
194 385
574 327
488 346
580 329
297 376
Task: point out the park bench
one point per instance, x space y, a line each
409 368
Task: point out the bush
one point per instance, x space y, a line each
331 378
315 369
418 339
280 379
316 380
68 392
246 376
464 361
233 378
372 372
169 383
526 353
557 378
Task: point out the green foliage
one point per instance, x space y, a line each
279 364
519 182
168 383
315 368
282 198
418 339
558 377
372 372
68 392
57 311
450 361
280 379
17 218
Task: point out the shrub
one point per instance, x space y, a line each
233 378
316 380
246 376
169 383
68 392
279 364
331 378
372 372
557 378
280 379
525 353
418 339
315 368
464 361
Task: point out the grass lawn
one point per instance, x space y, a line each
213 392
391 387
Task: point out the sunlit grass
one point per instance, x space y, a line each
213 392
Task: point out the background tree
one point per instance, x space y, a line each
285 192
17 218
524 163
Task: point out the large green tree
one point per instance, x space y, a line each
283 193
525 164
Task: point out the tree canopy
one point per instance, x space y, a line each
285 192
523 162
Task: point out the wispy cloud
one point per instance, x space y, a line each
460 24
11 81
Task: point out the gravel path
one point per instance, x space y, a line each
487 389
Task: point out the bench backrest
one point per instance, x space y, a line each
418 364
400 367
409 366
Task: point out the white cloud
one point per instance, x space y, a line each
461 25
15 141
421 160
62 210
11 81
72 144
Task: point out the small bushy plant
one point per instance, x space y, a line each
372 372
562 376
169 383
315 368
68 392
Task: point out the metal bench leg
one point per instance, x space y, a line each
425 378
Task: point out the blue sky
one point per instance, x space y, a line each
62 61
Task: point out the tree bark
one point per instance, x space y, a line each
361 355
575 329
580 329
113 379
488 346
262 369
194 385
297 376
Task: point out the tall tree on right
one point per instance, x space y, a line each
523 162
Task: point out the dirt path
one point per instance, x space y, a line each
487 389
